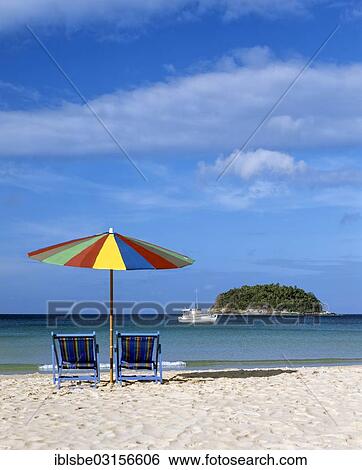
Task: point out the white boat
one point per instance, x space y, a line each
196 315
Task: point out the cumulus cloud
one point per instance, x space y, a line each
210 111
130 13
256 178
274 172
257 163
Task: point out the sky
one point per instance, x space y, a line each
210 127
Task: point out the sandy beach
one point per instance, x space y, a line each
309 408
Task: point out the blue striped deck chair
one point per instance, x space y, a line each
138 351
75 358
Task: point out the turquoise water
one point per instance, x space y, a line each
234 342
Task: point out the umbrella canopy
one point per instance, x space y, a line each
111 251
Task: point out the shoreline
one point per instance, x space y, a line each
204 409
202 365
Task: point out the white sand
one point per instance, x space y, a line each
311 408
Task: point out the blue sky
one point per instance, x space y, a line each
181 85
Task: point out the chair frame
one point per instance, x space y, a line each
156 358
61 375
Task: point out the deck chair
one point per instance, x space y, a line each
138 351
75 358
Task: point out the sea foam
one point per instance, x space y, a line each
105 366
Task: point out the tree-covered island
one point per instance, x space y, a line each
268 299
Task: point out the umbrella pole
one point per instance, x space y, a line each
111 326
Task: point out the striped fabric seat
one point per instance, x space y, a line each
75 357
137 352
77 353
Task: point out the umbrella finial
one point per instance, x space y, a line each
110 230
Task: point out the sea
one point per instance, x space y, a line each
234 342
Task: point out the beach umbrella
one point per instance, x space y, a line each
111 251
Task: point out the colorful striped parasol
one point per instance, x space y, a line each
111 251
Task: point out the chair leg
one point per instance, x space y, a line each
60 371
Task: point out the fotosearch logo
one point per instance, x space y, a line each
95 314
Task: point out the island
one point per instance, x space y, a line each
268 299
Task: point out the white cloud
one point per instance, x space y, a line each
211 111
253 56
263 175
248 165
234 198
128 13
